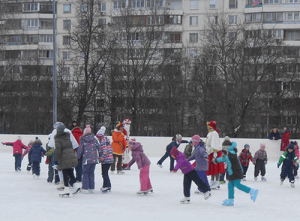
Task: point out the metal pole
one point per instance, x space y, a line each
54 67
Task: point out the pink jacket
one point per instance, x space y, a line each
138 156
17 146
27 150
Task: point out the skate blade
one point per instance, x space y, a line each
185 202
77 191
66 195
142 194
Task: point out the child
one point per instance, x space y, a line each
106 158
260 160
17 152
25 152
225 145
234 174
201 157
35 157
297 154
190 175
87 153
288 159
143 164
245 157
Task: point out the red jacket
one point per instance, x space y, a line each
285 140
77 133
245 157
17 146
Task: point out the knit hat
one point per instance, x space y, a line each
132 142
101 132
291 146
38 140
262 145
57 124
246 145
119 125
60 127
226 143
174 152
87 130
196 139
178 137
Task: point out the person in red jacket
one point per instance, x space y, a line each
245 158
285 138
77 133
17 152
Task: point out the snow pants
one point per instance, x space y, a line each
237 184
202 175
88 176
18 161
36 168
167 154
78 170
113 166
144 178
104 169
69 177
287 172
187 182
260 167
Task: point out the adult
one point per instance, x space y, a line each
65 159
119 144
126 155
214 151
74 124
274 134
176 144
285 138
77 133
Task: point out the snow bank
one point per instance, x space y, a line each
156 146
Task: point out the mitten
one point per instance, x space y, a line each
47 161
278 165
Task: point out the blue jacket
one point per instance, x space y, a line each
36 152
201 156
174 144
276 135
88 149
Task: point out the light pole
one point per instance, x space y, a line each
54 67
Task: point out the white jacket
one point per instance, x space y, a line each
212 142
72 138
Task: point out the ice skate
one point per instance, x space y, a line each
76 188
91 191
244 178
66 193
197 192
255 178
228 202
281 182
61 187
292 184
211 182
159 165
105 189
142 193
185 200
150 191
34 176
263 179
253 194
120 172
216 185
207 195
85 191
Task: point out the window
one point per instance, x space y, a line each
213 20
272 1
34 23
102 22
194 4
173 19
102 6
65 70
67 24
137 3
27 7
133 36
292 1
119 4
292 35
193 37
66 40
83 7
213 4
291 16
273 16
232 36
232 19
253 17
46 38
155 20
193 20
66 55
45 54
233 3
172 38
67 8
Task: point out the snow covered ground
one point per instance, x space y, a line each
23 198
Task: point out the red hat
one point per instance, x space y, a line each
174 152
212 124
127 121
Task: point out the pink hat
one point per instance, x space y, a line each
132 142
262 145
87 130
196 139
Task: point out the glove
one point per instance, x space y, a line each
47 161
278 165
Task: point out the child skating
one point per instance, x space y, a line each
260 160
234 175
288 159
35 157
245 158
190 174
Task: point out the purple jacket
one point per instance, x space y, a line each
200 155
138 156
183 164
88 149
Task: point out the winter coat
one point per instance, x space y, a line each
188 150
36 152
64 153
201 157
106 151
272 134
88 149
212 142
51 142
288 159
260 155
77 133
245 157
183 164
138 156
285 140
119 143
27 150
234 168
17 146
174 143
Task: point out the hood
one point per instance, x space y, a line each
37 143
76 130
87 137
137 147
232 148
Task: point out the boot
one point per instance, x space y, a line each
292 184
228 202
65 193
61 186
207 195
253 194
216 185
185 200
